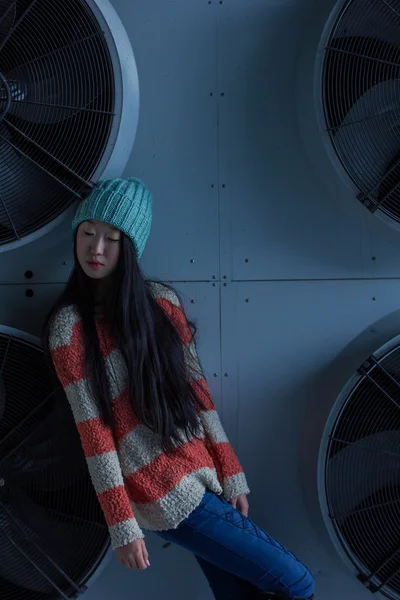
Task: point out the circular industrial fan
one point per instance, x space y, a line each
68 108
52 531
360 472
361 99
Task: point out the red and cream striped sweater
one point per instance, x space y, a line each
138 485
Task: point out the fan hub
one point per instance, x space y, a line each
5 97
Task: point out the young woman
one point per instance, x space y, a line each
157 454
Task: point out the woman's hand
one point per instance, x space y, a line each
241 504
134 555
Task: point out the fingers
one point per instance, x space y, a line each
243 507
142 558
146 555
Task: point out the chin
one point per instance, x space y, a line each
100 274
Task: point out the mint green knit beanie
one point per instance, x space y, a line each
124 203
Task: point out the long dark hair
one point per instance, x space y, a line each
158 388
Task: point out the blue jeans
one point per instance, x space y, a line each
237 557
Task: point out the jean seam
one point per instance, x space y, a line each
266 572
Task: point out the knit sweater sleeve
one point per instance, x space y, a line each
229 470
67 351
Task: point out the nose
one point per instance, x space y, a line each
97 245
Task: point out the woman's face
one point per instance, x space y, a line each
97 248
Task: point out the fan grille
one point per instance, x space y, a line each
59 85
362 474
52 531
361 99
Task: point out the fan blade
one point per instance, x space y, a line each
373 118
2 392
38 89
8 10
359 465
19 178
39 536
52 458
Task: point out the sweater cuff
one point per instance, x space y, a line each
235 485
124 533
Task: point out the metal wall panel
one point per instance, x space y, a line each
278 339
164 579
49 258
243 172
175 151
285 212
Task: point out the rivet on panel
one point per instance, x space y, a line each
224 277
374 299
192 260
224 185
212 185
247 300
215 374
374 258
225 374
214 285
225 284
28 274
214 277
193 301
222 93
246 260
29 293
65 263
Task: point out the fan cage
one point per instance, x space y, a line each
361 100
52 550
360 460
58 78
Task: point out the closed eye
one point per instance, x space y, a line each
88 233
112 240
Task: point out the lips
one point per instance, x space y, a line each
95 265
